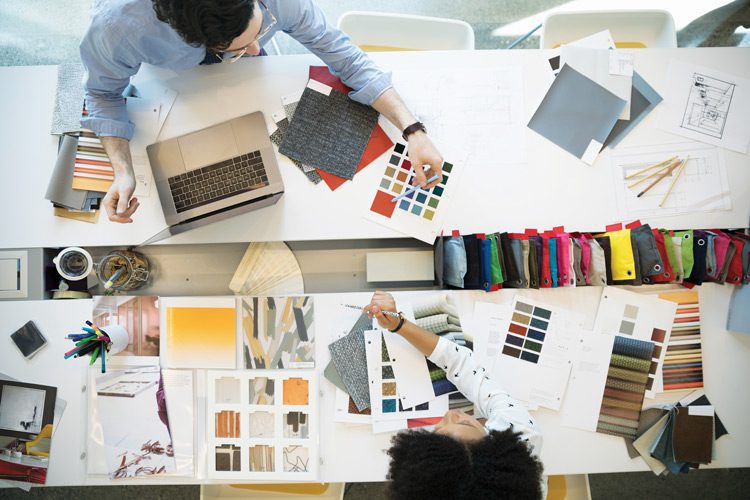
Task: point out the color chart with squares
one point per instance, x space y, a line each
262 424
528 328
418 213
384 395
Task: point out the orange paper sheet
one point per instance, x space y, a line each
201 337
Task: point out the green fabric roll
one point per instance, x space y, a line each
622 422
669 247
496 269
687 251
630 363
624 385
629 375
616 430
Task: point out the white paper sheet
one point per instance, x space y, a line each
384 400
601 40
541 382
595 65
702 186
707 105
641 316
145 113
130 421
410 368
482 120
587 380
178 386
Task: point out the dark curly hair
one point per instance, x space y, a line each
210 23
425 465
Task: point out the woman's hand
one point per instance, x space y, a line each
382 301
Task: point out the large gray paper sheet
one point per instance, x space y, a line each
59 190
329 132
643 98
577 114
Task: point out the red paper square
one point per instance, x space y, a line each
382 204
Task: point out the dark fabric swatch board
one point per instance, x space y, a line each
635 254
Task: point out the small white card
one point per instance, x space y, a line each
319 87
701 411
592 151
621 62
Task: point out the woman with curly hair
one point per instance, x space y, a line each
464 457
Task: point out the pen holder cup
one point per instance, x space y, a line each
119 337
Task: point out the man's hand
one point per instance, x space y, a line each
423 152
118 202
382 301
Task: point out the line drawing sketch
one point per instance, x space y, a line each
707 105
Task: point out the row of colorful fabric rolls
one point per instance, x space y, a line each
631 255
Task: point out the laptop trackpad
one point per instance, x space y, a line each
208 146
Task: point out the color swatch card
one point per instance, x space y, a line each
608 384
200 332
384 389
420 212
278 332
639 316
410 371
262 424
683 361
532 347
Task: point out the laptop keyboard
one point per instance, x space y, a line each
218 181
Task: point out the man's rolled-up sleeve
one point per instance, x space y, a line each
304 21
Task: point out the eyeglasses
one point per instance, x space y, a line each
234 55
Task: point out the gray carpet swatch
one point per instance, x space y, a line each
329 132
278 136
66 115
349 358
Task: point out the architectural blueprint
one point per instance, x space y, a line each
707 105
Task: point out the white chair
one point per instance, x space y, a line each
378 32
629 28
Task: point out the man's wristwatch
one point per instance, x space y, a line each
414 127
401 320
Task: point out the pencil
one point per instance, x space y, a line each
655 172
643 171
387 313
411 189
674 181
668 171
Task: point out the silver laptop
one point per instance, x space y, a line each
215 173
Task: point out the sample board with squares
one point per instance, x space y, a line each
532 344
262 424
418 214
385 397
529 325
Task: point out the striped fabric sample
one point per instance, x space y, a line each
625 388
683 361
93 171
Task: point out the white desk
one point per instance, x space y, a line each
490 197
353 453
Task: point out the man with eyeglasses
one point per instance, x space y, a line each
179 34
